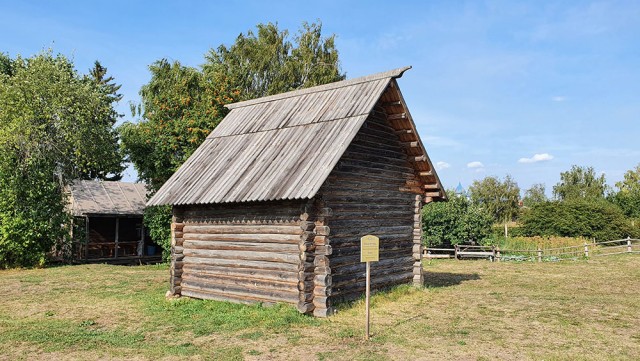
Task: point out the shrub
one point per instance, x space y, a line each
597 219
454 222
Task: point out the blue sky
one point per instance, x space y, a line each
524 88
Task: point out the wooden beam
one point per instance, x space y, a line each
432 186
432 194
404 131
388 104
421 158
426 173
410 144
397 116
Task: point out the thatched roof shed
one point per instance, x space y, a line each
270 208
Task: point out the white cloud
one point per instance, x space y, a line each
542 157
559 98
442 165
475 164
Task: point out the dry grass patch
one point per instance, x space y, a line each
468 310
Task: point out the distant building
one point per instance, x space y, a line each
107 223
460 191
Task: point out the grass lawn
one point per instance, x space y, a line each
469 310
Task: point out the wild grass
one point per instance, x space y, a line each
471 310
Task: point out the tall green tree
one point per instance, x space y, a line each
628 193
534 195
266 62
499 197
181 105
580 183
55 126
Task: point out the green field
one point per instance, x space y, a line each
469 310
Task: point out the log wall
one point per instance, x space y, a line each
371 191
239 252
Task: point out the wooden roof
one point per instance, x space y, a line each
284 146
107 198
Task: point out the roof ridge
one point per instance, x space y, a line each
395 73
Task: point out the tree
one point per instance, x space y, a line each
454 222
499 198
580 183
534 195
181 105
590 218
628 195
268 63
54 127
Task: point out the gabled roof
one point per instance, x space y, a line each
282 146
106 198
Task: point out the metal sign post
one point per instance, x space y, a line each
369 252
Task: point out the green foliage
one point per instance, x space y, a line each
32 212
55 126
580 183
454 222
578 218
499 198
181 105
158 220
535 194
268 63
628 195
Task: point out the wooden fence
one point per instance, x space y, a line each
594 249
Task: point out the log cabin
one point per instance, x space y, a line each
271 207
107 223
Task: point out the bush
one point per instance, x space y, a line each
596 219
158 220
454 222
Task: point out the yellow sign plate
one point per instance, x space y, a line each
369 248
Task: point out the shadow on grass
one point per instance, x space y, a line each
445 279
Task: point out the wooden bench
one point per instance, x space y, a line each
475 252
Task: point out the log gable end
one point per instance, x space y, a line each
370 192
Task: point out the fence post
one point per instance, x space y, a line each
498 253
628 244
539 254
586 249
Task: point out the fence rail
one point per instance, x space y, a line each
630 245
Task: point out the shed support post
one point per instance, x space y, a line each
86 238
177 256
629 244
418 275
115 249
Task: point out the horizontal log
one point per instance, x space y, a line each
248 273
306 266
242 229
307 225
323 250
373 214
380 273
338 261
264 265
178 234
322 280
381 264
322 270
240 246
235 294
322 291
385 250
397 116
377 283
250 238
322 230
305 297
243 282
323 312
426 173
305 307
433 194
